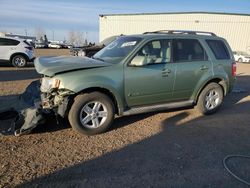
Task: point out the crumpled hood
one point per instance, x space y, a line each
52 65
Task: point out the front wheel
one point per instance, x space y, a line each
19 61
91 113
210 99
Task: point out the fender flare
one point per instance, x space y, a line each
19 53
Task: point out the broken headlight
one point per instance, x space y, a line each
49 83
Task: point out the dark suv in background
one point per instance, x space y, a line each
91 49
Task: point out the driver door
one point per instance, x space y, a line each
150 80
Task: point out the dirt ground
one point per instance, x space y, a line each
51 52
167 149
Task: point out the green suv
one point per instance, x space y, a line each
137 74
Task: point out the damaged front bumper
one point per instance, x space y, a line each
56 101
41 104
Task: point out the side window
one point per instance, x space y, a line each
219 49
188 50
156 44
1 41
158 51
8 42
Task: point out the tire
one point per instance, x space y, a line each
19 61
240 60
210 99
84 115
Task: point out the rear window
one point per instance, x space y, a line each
219 49
8 42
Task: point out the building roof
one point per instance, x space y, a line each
133 14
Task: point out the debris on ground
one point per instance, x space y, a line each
27 120
23 120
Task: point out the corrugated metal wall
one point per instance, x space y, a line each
235 28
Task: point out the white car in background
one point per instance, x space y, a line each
40 45
241 57
54 45
16 51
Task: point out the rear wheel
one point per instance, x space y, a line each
210 99
19 61
91 113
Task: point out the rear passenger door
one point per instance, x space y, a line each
192 67
1 49
7 46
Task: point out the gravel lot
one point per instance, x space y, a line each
168 149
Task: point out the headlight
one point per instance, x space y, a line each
49 83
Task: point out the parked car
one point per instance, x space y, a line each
90 49
54 45
40 45
16 51
64 46
137 74
241 57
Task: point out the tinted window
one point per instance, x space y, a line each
8 42
158 51
1 41
219 49
188 50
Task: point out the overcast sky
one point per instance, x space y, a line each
61 16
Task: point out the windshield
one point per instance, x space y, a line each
117 50
108 40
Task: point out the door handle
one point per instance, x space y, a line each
166 71
203 67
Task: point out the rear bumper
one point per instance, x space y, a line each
30 55
32 59
232 84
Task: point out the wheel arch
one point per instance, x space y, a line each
219 81
19 53
110 94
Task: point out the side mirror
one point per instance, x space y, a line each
139 61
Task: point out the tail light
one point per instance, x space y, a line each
234 69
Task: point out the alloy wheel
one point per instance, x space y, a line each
212 99
19 61
93 114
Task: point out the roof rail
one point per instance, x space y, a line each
181 32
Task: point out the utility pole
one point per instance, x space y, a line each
86 38
53 35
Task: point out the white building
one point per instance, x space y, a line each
234 27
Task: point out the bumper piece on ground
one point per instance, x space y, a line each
27 120
38 107
28 116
